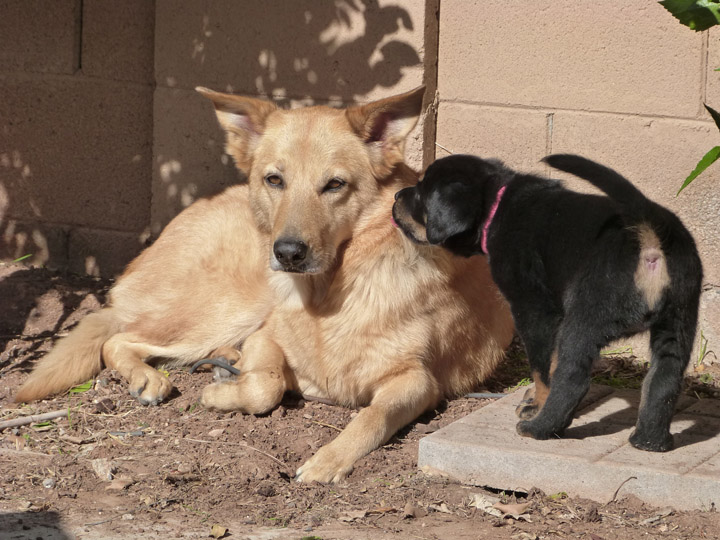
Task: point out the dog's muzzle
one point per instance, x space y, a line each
291 255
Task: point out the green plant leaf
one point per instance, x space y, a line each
80 388
23 257
707 160
697 15
715 115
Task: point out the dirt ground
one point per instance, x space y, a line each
112 468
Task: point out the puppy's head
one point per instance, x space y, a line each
448 206
313 171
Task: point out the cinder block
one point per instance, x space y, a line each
76 151
593 460
621 57
45 243
656 155
102 253
301 49
118 39
516 136
39 36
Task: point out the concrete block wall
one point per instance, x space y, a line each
103 138
76 120
620 82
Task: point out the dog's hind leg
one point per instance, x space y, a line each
671 338
126 353
537 324
263 380
570 381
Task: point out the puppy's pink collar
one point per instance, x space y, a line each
488 221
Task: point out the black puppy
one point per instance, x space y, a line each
578 271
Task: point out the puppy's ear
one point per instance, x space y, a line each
384 125
450 212
243 119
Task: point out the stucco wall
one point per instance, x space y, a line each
620 82
103 139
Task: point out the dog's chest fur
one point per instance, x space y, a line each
337 331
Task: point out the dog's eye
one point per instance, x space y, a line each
274 180
334 185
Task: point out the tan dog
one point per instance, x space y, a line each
302 271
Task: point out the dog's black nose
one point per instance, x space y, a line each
290 252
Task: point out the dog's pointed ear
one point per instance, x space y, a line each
243 119
384 125
446 219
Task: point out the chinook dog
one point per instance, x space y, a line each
300 276
578 271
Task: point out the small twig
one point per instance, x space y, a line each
441 146
23 453
276 460
620 486
32 419
326 425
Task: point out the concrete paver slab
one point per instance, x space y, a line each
593 459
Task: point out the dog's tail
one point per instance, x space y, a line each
613 184
75 359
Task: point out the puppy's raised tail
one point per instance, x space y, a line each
74 359
613 184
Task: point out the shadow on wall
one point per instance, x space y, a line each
307 50
300 52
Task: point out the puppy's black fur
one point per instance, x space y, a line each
578 271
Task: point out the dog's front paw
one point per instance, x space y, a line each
325 466
149 386
659 442
530 428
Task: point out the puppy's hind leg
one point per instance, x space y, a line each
671 338
537 324
570 383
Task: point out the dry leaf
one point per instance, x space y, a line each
486 504
515 511
412 511
382 510
352 515
216 432
432 471
442 507
120 483
218 531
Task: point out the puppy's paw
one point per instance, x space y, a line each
149 386
529 428
656 442
325 466
527 409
